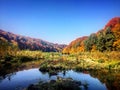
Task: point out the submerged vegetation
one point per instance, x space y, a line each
59 84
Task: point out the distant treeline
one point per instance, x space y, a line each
23 42
107 39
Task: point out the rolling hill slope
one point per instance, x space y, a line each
24 42
107 39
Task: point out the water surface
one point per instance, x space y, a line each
22 79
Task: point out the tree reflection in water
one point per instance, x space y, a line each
111 78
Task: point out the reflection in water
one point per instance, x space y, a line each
110 78
8 76
24 78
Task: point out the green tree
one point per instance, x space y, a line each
101 43
109 39
105 40
92 40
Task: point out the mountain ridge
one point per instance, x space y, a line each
26 42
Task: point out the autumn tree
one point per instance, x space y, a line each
116 31
7 48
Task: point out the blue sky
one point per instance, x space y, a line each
58 21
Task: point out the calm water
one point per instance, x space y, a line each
22 79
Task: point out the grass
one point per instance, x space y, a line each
83 61
53 61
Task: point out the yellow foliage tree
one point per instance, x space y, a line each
116 31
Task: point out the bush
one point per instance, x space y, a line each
25 58
101 61
8 57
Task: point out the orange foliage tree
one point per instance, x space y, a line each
116 31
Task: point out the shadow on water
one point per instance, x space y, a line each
6 69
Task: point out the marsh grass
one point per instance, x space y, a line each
52 61
84 60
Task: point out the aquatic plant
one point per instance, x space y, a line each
59 84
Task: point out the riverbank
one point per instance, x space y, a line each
52 61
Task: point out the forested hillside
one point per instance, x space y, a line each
107 39
23 42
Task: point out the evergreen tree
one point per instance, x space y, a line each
105 40
109 38
92 40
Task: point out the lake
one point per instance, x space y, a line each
22 79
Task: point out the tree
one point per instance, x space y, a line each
92 40
101 43
105 40
87 44
109 39
7 48
116 32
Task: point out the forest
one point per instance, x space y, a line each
105 40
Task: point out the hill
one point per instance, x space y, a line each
23 42
107 39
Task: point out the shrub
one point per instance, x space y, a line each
101 61
8 57
25 58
